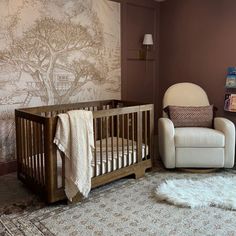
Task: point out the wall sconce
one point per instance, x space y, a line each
147 41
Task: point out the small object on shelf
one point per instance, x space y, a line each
230 102
231 78
230 85
231 70
230 81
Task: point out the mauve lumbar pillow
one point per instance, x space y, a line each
191 116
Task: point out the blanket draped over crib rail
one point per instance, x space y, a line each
74 136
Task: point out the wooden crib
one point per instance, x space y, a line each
123 133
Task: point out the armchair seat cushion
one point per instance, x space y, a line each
198 137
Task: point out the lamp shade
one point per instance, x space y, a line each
148 39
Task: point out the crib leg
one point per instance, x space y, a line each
139 173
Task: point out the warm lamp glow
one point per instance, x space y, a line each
148 39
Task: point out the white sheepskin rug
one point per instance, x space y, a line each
214 191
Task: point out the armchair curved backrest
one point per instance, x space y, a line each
185 94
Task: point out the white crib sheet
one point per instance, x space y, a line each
127 146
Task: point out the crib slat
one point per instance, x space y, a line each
139 136
43 153
35 151
149 133
39 154
145 134
101 163
107 161
95 146
112 148
25 147
117 144
122 129
127 130
63 169
19 140
21 151
132 124
151 125
136 135
18 144
41 146
30 148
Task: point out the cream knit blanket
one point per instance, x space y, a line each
74 137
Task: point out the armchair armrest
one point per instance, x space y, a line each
166 133
228 129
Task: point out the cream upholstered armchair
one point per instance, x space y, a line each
194 147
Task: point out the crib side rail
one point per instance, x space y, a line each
30 150
52 110
124 136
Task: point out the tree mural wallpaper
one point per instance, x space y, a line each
55 52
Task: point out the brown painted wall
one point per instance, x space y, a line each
139 77
197 44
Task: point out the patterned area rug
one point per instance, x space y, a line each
125 207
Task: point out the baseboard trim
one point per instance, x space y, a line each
8 167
